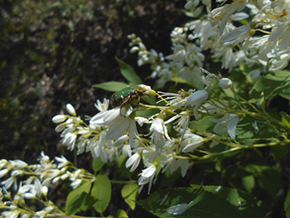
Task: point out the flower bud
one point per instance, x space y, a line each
134 49
197 97
70 109
59 118
60 127
225 83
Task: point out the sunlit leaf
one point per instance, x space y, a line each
129 193
77 200
111 86
129 73
97 164
121 214
101 191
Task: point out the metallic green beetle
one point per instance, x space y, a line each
130 94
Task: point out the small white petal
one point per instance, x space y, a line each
197 97
59 118
71 109
232 126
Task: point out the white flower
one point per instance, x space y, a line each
3 163
102 106
60 127
133 161
226 124
118 128
182 123
12 180
62 161
70 140
236 36
278 64
192 141
105 118
3 172
12 213
173 164
147 175
42 213
70 109
196 99
26 191
40 190
141 120
158 133
175 99
223 14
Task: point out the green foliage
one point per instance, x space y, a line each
97 164
79 199
272 84
130 193
129 73
121 214
204 201
111 86
101 191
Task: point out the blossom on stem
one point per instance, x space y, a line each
196 99
71 110
226 124
225 83
147 175
134 161
102 106
192 141
158 133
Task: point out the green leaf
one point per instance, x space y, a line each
285 93
79 199
121 214
111 86
287 205
269 178
285 118
102 192
129 73
130 193
245 203
121 165
279 151
97 164
249 183
201 203
272 84
204 124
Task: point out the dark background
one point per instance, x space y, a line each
52 52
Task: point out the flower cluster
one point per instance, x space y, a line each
36 180
166 136
258 38
114 131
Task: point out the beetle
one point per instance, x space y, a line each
130 94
